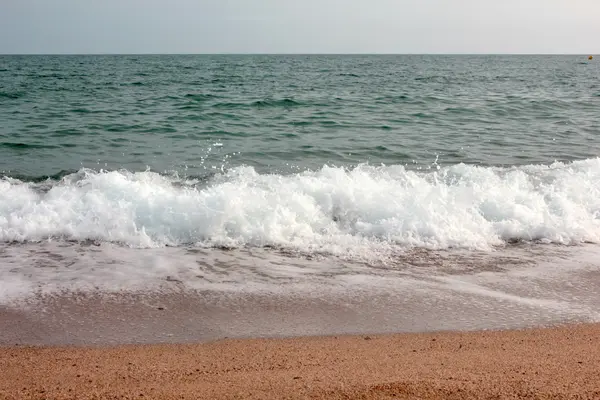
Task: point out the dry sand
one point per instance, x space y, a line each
552 363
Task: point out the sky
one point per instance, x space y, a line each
301 26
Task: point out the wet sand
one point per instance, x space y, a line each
551 363
53 294
102 319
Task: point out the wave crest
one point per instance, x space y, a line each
334 210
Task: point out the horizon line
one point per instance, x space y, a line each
296 54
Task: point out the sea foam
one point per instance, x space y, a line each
333 210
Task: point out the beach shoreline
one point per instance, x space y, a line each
537 363
155 317
515 324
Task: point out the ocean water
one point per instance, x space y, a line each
363 161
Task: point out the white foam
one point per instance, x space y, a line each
350 212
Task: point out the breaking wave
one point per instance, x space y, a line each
338 211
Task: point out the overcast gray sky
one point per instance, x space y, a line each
300 26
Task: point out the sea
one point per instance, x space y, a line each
418 175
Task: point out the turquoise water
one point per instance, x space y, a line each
288 113
357 156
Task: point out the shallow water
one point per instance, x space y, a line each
106 294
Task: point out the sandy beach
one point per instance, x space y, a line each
551 363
